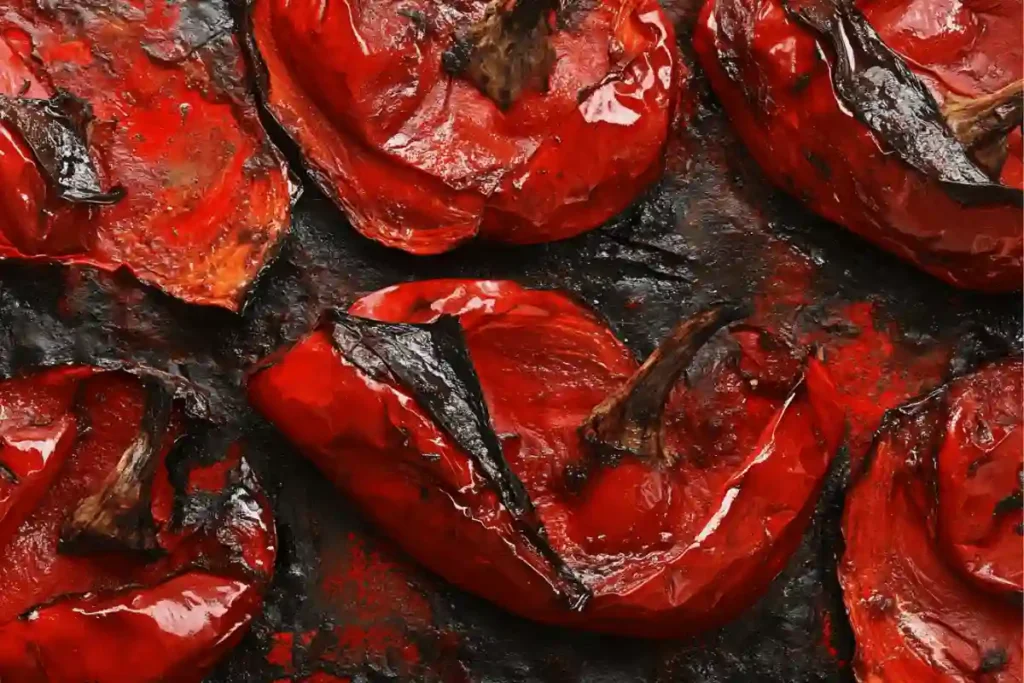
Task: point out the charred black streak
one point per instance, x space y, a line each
993 660
198 25
819 164
418 20
876 85
646 259
8 475
1013 502
801 82
118 516
54 130
432 362
629 422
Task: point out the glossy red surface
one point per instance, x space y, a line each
769 75
207 195
980 465
127 616
665 549
931 573
423 161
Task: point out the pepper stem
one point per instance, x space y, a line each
630 420
118 516
982 123
507 51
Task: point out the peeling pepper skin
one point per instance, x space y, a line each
663 545
83 598
774 79
931 575
422 160
167 120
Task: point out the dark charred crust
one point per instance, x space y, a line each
571 13
993 661
199 24
199 447
975 347
118 516
455 60
876 85
801 82
418 20
1013 502
629 422
819 164
55 131
782 367
432 362
7 474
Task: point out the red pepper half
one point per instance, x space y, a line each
899 119
509 442
133 548
127 138
932 570
430 123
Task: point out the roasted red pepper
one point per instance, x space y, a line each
127 138
431 123
899 119
517 450
932 570
134 547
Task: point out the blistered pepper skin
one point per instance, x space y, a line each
773 80
662 549
423 161
931 574
206 196
80 603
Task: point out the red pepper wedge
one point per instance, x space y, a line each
931 574
614 498
171 174
979 520
115 543
422 160
924 160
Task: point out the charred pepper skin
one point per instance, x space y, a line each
391 126
931 574
188 192
89 460
775 78
661 544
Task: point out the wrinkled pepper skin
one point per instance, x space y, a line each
773 78
206 196
662 548
423 161
931 575
106 608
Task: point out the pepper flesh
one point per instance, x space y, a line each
206 195
774 79
931 575
168 611
661 550
422 160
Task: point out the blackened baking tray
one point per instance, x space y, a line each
344 601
